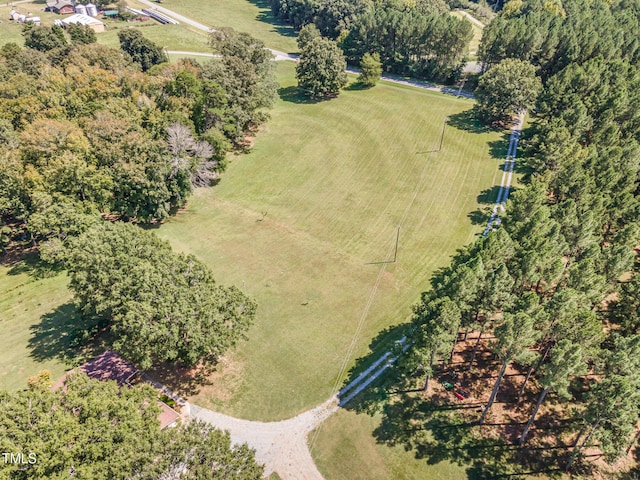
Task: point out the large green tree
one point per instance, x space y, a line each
43 38
246 75
626 311
436 322
95 430
160 306
509 88
370 69
143 51
321 70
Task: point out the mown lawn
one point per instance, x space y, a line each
298 222
345 449
251 16
172 37
34 321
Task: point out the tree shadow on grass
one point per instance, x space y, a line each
357 86
440 428
293 94
63 335
372 397
436 432
266 16
467 121
33 266
182 380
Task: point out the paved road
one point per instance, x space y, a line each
282 56
471 18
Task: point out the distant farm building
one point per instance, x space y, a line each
110 13
19 17
92 10
111 366
62 8
78 18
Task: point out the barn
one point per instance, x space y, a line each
95 24
62 8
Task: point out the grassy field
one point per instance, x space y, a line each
173 37
345 448
34 313
297 222
252 16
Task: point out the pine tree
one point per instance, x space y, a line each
566 361
436 323
514 337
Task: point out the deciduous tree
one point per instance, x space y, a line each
142 50
160 306
509 88
321 71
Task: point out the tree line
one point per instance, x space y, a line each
553 34
412 38
557 284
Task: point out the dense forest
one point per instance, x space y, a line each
418 38
556 286
84 130
95 141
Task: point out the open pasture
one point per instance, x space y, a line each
301 222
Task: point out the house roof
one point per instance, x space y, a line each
167 415
61 4
111 366
106 366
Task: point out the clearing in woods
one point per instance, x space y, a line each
296 222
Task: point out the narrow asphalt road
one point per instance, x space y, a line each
507 175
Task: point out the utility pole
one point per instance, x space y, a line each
461 86
395 254
446 119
